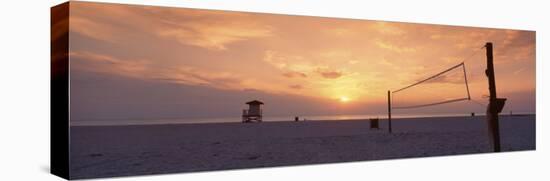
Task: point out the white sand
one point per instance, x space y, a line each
106 151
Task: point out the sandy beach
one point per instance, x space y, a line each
107 151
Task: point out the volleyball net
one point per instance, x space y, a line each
447 86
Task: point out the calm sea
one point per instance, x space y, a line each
238 119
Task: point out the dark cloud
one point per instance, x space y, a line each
296 86
250 90
329 74
295 74
142 69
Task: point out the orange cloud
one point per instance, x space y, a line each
389 28
289 63
206 29
108 64
394 48
214 33
93 29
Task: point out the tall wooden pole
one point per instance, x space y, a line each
492 112
389 112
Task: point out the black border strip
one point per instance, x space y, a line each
59 90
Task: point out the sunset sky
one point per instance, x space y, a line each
157 62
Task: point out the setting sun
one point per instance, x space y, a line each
344 99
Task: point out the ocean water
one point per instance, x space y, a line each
236 119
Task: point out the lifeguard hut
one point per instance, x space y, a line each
254 112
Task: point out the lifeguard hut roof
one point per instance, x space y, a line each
255 102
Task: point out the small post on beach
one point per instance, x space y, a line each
389 112
493 108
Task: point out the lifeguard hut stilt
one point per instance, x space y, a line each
254 112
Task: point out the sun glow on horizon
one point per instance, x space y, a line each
344 99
